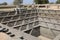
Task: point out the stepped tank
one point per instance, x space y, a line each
30 22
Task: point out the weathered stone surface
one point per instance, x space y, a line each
27 17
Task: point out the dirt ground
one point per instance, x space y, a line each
4 36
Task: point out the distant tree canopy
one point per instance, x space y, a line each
51 3
17 2
41 1
4 3
58 2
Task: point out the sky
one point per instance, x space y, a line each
24 1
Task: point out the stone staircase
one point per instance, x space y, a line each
49 21
29 22
14 23
15 34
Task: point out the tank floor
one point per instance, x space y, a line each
43 38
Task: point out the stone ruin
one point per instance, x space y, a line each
30 22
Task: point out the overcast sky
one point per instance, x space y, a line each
24 1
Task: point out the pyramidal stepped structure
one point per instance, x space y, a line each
30 22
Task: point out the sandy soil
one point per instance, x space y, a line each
4 36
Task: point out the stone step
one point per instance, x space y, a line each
16 34
43 38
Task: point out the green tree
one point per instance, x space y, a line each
4 3
51 3
41 1
17 2
58 1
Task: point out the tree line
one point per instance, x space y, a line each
46 2
38 2
17 2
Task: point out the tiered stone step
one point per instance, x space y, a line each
22 19
19 20
15 34
49 22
